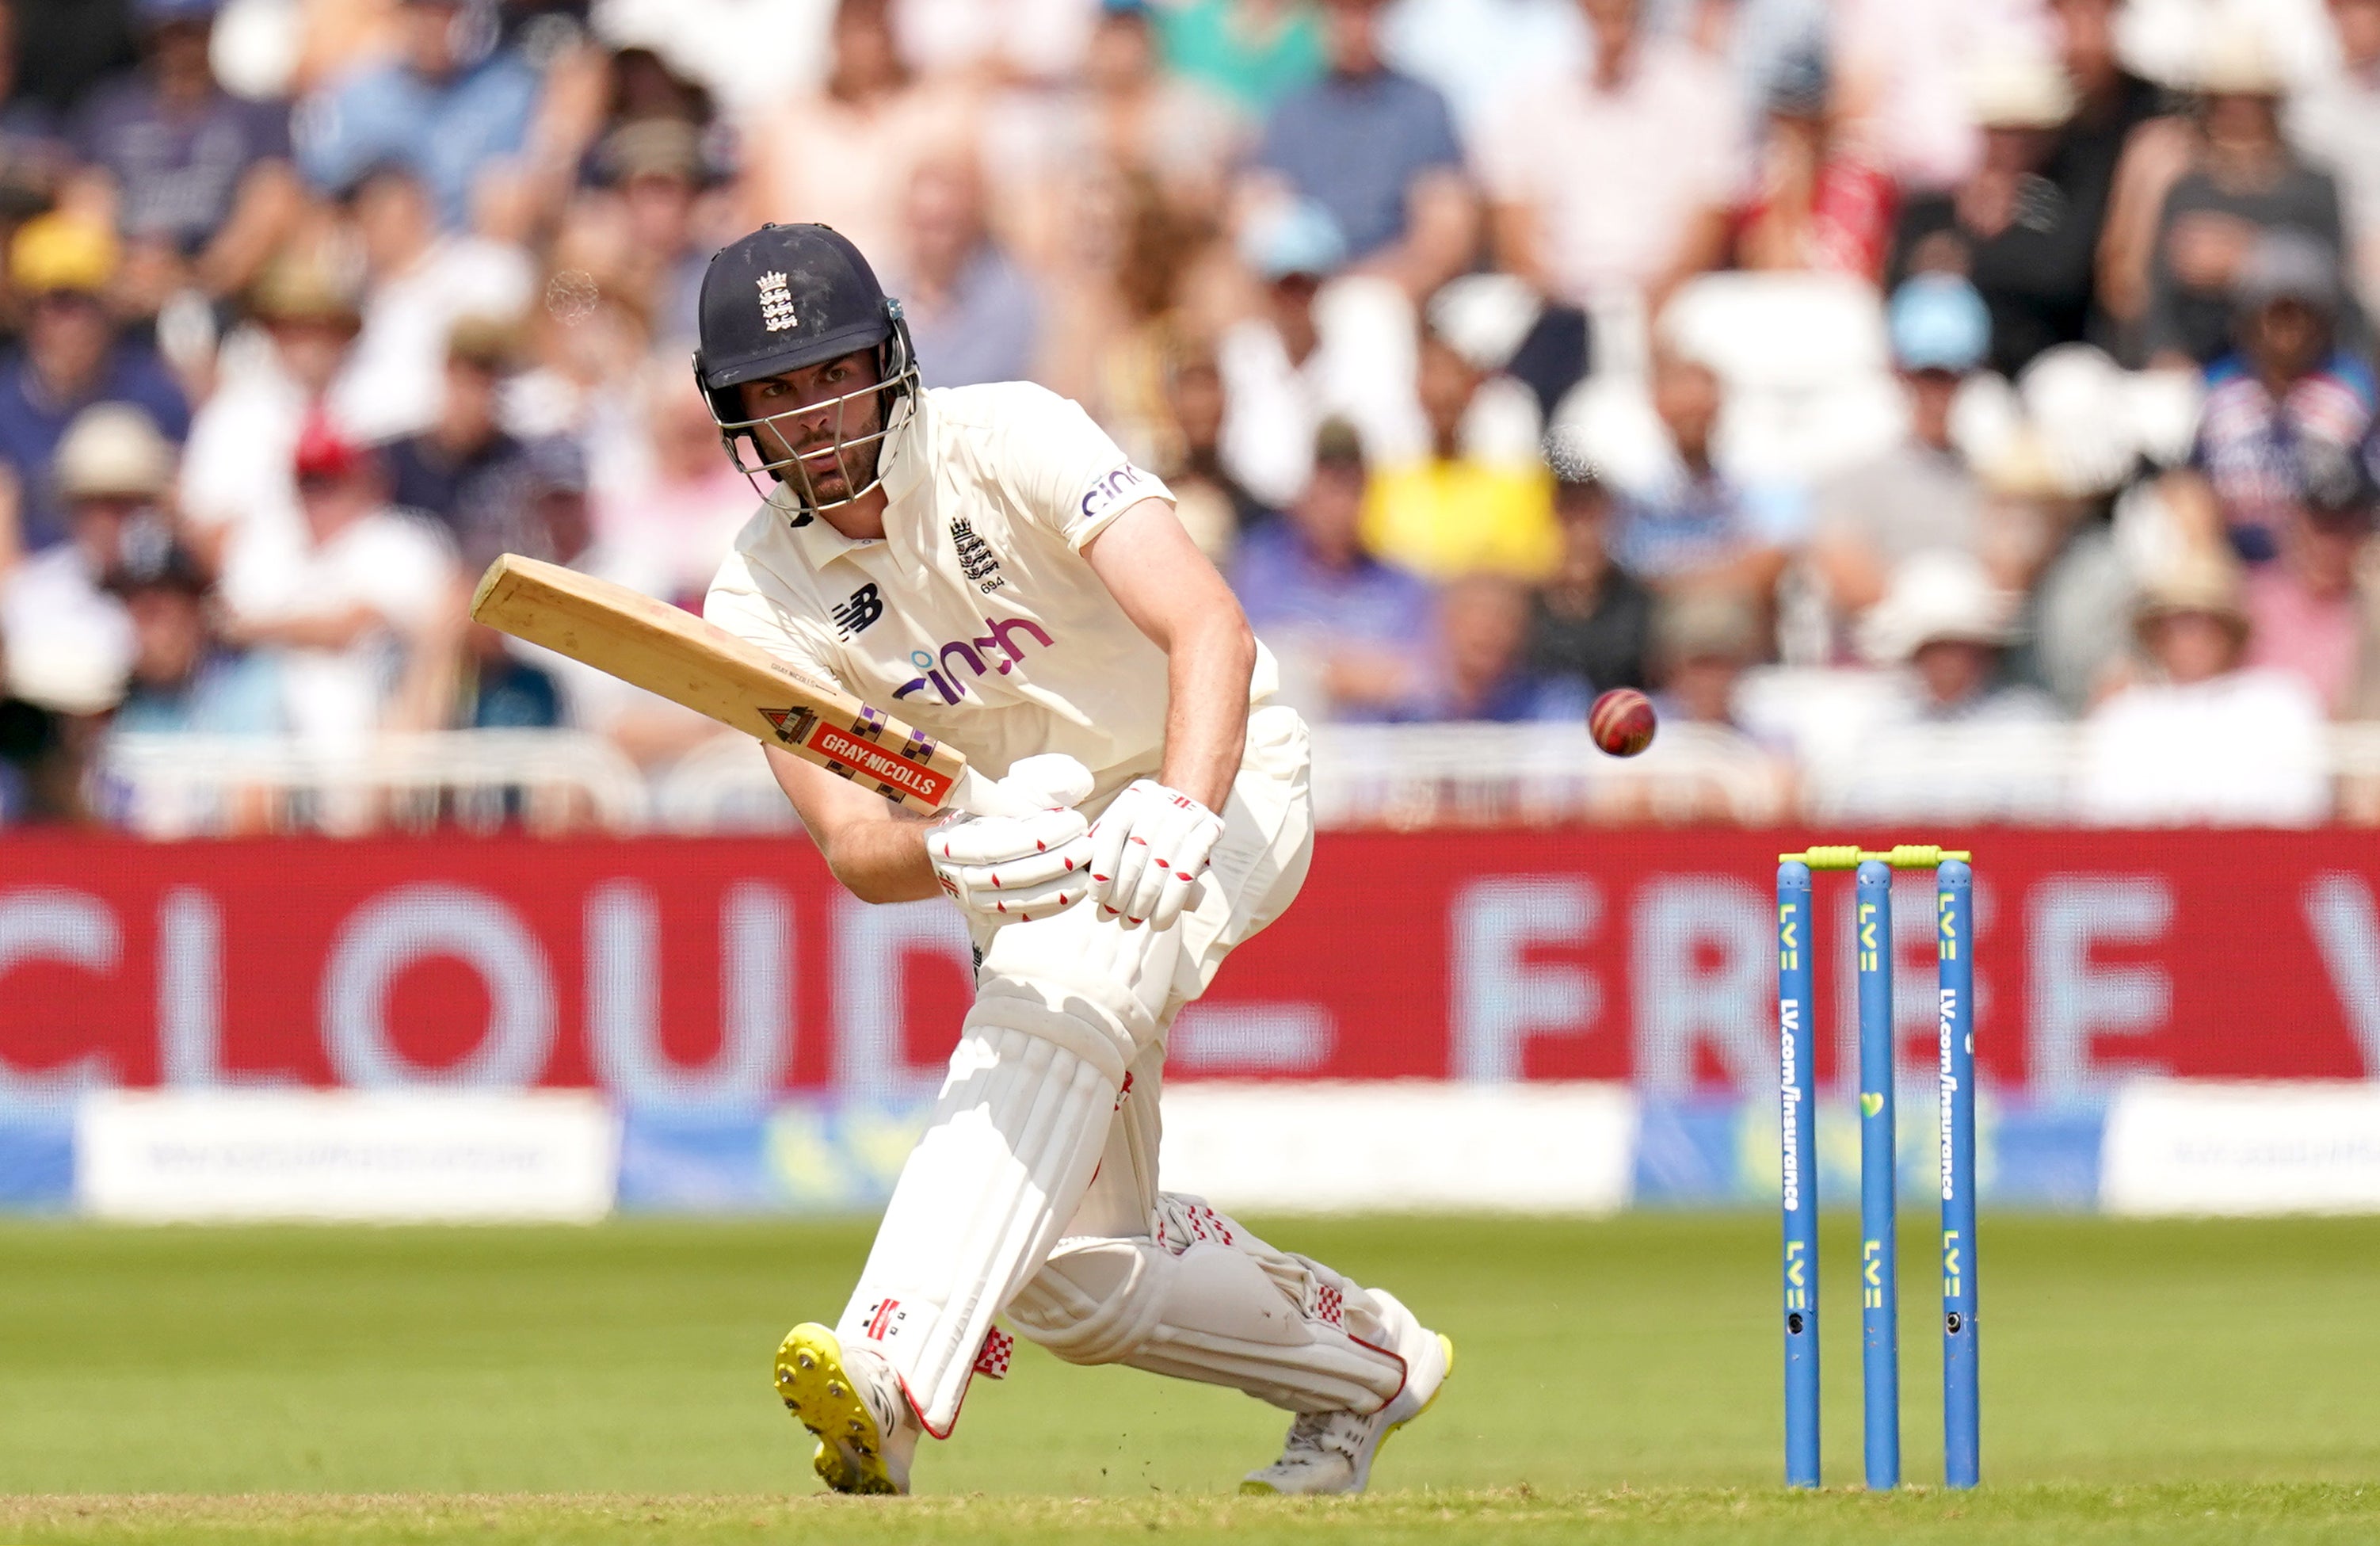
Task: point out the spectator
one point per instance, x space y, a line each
2247 181
1596 177
1144 278
1344 623
1702 646
843 157
238 504
1946 627
1376 150
1919 494
2310 611
2336 125
496 688
71 357
560 526
368 616
1818 203
671 529
113 471
655 168
450 108
973 313
2025 241
1479 52
2288 392
1591 620
421 281
1696 528
203 182
2111 105
1251 52
33 159
2207 741
1285 372
1451 512
41 757
1485 672
1146 118
1212 505
464 469
185 678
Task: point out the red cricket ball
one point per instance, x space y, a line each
1622 721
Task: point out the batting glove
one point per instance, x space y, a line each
1148 852
1016 869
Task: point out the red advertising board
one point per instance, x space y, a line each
719 970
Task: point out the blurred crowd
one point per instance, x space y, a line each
1992 361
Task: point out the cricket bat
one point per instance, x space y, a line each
686 660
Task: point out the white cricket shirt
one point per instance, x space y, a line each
976 617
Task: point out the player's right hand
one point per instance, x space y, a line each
1016 868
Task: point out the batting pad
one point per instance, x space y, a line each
1206 1300
1014 1141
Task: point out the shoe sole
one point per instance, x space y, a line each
1363 1481
812 1383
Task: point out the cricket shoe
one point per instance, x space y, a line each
1332 1452
852 1401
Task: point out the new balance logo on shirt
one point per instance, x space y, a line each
855 616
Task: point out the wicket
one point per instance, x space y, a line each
1879 1283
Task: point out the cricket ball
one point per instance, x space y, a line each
1622 721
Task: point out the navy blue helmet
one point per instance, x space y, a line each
787 297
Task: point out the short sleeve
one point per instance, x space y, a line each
1070 476
1436 144
748 602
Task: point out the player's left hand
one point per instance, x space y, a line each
1016 868
1148 849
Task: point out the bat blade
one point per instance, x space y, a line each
688 660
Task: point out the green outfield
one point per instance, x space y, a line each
2204 1382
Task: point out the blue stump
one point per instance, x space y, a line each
1879 1282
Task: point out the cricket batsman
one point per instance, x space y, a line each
984 562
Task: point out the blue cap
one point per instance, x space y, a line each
1296 238
1939 322
1125 8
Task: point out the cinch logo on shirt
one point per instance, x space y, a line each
1124 486
942 679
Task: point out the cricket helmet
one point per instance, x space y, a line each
787 297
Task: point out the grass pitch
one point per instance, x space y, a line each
1619 1380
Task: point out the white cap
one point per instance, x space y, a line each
113 449
1935 596
2019 89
